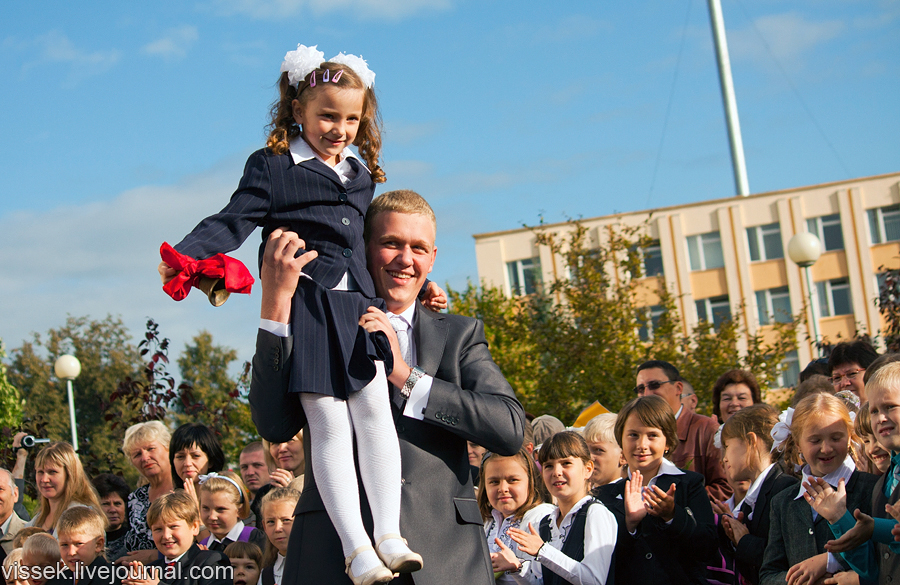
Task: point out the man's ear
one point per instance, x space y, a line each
433 256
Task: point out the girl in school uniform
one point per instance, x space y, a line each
576 540
508 497
820 436
224 500
746 446
277 514
667 532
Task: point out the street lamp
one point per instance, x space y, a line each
804 249
68 367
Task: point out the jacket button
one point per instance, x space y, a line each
342 196
811 531
347 252
345 221
649 556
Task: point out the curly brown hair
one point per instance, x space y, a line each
283 128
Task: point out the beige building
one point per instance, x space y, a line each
716 255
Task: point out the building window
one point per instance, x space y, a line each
524 276
705 251
649 321
774 306
834 297
715 310
790 376
653 265
828 229
765 242
884 224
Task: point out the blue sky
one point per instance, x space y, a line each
125 124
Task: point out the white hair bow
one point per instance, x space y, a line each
782 429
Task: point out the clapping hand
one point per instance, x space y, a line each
855 537
660 503
808 572
505 560
633 501
829 503
735 529
529 542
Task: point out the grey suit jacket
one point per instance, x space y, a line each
794 537
470 400
15 525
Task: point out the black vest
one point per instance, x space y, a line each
573 546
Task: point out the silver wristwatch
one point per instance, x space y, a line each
415 374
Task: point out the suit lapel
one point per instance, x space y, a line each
764 490
430 339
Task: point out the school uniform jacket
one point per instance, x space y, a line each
749 551
470 400
795 537
676 553
888 560
194 564
308 198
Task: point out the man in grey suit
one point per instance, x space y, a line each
445 390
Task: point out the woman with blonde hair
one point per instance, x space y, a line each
61 483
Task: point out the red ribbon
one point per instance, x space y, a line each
235 275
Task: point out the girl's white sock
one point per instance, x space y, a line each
379 455
332 459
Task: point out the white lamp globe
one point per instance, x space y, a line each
67 367
804 249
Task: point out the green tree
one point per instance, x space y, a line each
215 398
107 356
580 337
10 400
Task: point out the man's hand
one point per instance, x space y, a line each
166 272
280 272
376 320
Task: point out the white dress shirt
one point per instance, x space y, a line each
843 472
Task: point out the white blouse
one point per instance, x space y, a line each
497 526
600 532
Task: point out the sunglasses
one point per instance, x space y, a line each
652 386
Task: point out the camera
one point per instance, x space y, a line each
29 441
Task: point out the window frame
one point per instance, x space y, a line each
756 238
701 242
520 288
817 225
825 290
771 315
877 230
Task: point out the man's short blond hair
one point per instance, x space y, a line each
174 506
82 520
600 429
399 201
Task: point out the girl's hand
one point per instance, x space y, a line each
634 501
808 572
660 503
281 477
147 555
842 578
166 272
435 298
855 537
734 529
828 503
529 542
506 559
720 508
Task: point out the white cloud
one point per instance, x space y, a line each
100 258
54 48
175 43
276 9
790 38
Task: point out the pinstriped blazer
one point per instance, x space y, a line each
794 537
334 356
308 198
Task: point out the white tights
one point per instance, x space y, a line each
332 425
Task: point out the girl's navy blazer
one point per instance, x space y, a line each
661 553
